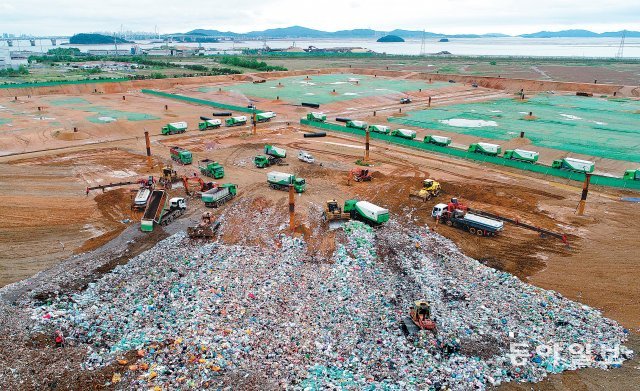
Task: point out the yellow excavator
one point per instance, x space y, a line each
430 189
419 319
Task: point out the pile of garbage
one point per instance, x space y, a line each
198 315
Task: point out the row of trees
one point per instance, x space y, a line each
250 63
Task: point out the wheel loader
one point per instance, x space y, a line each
430 189
419 319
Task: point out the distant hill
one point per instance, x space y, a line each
304 32
390 38
94 39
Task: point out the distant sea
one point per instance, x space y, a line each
508 46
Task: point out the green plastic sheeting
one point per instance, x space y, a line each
59 83
600 127
201 101
463 154
319 88
69 102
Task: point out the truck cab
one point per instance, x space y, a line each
177 203
305 157
439 210
261 161
299 185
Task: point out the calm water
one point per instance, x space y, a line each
549 47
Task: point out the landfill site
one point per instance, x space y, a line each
320 230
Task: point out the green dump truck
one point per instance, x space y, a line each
357 125
181 155
632 175
366 212
485 149
437 140
219 195
572 164
379 129
210 124
159 211
265 116
281 181
174 127
211 168
522 155
236 121
316 116
404 133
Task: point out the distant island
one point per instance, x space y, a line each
390 38
95 39
444 40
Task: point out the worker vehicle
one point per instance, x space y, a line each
455 214
282 181
265 116
631 175
205 229
211 168
305 157
572 164
219 195
430 189
316 116
357 125
379 129
181 155
437 140
161 212
404 101
404 133
360 174
236 121
419 319
521 155
485 149
366 212
174 127
210 124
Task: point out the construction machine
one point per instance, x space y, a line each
205 229
334 215
430 189
169 176
359 174
194 184
419 319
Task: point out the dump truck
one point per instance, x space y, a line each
357 125
485 149
281 181
211 168
632 175
316 117
404 133
217 196
379 129
455 214
359 174
236 121
205 229
521 155
265 116
262 161
437 140
174 127
181 155
572 164
366 212
274 156
210 124
159 211
419 318
430 189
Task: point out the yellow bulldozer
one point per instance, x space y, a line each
419 319
333 214
430 189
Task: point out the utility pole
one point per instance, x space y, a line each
292 207
585 191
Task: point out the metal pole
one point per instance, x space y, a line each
254 122
292 206
366 146
148 142
585 191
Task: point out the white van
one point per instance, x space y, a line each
306 157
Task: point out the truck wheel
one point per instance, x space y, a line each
449 223
472 230
480 233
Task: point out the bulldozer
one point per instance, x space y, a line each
169 176
334 215
205 229
419 319
360 174
430 189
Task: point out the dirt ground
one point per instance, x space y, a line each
48 217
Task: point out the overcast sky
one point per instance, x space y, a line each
65 17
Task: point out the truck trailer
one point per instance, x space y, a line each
281 181
404 133
161 212
357 125
174 127
265 116
572 164
437 140
181 155
521 155
211 168
456 215
316 116
379 129
210 124
366 212
215 197
236 121
485 149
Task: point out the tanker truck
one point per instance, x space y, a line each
281 181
